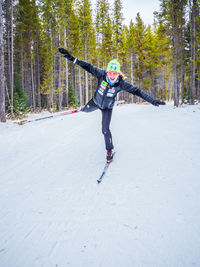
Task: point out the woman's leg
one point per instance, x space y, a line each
90 106
106 118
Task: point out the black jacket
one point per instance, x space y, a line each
105 94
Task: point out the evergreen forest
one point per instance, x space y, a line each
163 58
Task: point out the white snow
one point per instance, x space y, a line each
146 211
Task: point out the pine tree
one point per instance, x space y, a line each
48 8
77 48
123 54
9 50
118 26
27 49
198 54
67 24
164 66
150 61
194 15
104 32
36 36
131 41
86 35
172 13
140 52
154 58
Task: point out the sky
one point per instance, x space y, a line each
132 7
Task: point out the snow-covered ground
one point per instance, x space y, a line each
146 211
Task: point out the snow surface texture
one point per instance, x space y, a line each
146 211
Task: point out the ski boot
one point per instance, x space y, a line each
109 155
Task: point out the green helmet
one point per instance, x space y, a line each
113 65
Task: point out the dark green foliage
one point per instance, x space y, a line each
149 56
73 99
19 99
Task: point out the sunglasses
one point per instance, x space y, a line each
113 73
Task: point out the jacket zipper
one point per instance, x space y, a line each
105 93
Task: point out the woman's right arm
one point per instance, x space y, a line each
97 72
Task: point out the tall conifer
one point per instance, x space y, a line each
118 26
87 34
104 32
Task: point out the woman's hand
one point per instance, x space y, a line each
158 102
66 54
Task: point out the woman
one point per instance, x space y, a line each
110 82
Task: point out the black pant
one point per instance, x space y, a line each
106 118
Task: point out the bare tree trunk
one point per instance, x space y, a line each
22 63
192 51
8 50
37 67
66 70
162 83
194 16
53 85
38 81
198 87
175 85
67 82
90 95
175 59
168 88
132 74
60 93
86 77
9 32
60 89
80 88
11 54
33 85
27 69
181 69
2 78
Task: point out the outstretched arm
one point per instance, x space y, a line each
97 72
137 91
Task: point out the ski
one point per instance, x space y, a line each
105 170
50 117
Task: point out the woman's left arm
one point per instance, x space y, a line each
139 92
97 72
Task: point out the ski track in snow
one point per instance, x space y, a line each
146 211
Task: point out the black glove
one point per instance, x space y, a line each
158 102
66 54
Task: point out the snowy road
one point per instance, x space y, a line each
146 212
